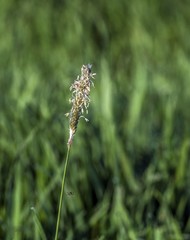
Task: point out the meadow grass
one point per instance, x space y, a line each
128 176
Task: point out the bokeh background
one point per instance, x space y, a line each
129 169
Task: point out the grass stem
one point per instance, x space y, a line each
62 191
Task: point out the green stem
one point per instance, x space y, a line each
62 191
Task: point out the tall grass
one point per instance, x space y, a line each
129 177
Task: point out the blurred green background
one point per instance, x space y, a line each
129 169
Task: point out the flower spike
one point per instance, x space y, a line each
80 98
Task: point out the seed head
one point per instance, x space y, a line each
80 98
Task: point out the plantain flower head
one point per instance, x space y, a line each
80 99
